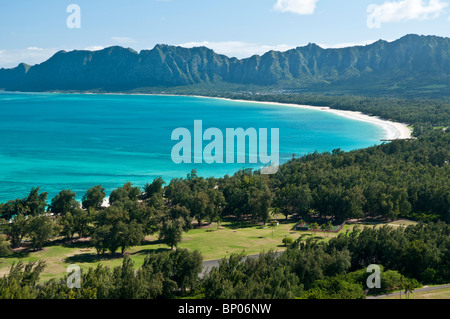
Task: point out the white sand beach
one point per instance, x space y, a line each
394 130
105 202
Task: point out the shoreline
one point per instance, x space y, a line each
393 130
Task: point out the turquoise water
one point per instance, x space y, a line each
76 141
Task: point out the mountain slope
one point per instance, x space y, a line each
412 61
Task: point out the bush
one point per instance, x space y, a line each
5 248
287 241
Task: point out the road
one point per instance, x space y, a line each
425 289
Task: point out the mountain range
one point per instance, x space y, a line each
411 62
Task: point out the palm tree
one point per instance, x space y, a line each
219 221
272 225
407 285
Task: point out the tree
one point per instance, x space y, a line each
100 238
248 194
132 235
115 229
178 271
5 248
36 202
171 231
199 205
156 187
94 198
21 281
13 208
17 229
40 229
180 212
75 222
153 193
124 193
219 221
407 285
216 203
272 225
63 202
293 199
287 241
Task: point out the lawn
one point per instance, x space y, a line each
212 242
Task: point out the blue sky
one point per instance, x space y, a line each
31 31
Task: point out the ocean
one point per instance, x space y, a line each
77 141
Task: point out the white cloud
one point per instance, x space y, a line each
397 11
296 6
94 48
124 40
30 55
35 49
33 55
345 44
238 49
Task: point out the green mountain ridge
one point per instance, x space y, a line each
411 62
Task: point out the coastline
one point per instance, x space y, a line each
393 130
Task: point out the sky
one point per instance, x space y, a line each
31 31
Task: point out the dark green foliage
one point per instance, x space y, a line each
34 204
163 275
116 229
63 203
293 200
21 281
402 178
155 188
287 241
41 229
418 251
17 230
199 195
265 277
93 198
154 193
171 231
5 248
247 195
76 222
334 288
308 269
179 270
125 193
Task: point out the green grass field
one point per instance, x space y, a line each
211 242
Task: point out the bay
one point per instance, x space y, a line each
76 141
